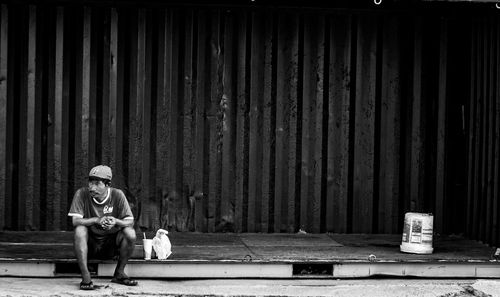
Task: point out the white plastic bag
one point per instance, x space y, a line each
161 244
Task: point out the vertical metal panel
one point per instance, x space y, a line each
364 126
188 120
83 147
390 125
280 193
67 114
338 123
477 122
471 129
158 97
148 126
267 127
13 44
307 100
441 130
138 155
496 157
162 95
112 86
483 131
120 22
214 94
312 123
29 175
32 197
134 105
241 181
316 207
175 137
255 116
416 139
229 102
200 166
4 22
94 57
286 107
106 52
489 134
292 107
54 83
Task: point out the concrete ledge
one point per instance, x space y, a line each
31 269
434 270
208 270
265 270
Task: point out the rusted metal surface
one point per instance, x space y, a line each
244 120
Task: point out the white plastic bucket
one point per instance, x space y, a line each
417 233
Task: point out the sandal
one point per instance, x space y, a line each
124 281
87 286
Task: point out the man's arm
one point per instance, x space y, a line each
78 221
112 221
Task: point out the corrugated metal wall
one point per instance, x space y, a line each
483 129
218 119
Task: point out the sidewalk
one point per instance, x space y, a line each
251 287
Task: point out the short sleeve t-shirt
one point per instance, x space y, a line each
115 204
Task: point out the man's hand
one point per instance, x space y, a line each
107 222
110 222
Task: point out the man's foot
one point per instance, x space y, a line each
87 286
127 281
123 279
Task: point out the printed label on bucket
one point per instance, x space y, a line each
427 235
416 231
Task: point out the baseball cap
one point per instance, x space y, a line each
101 171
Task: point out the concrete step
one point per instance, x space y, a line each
166 269
39 254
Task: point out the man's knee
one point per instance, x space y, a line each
129 234
81 232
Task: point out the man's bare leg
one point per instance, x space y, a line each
81 250
127 244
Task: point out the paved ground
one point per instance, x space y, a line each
254 287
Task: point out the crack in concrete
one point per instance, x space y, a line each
475 292
468 291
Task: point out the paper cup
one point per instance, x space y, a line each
148 248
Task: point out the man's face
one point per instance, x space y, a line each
97 188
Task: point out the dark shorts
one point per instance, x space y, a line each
104 246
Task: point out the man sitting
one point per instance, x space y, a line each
103 225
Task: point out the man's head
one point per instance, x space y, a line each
99 180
